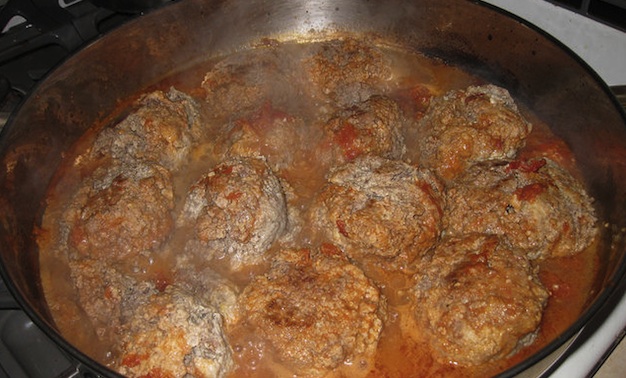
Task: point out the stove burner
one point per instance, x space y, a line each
610 12
38 34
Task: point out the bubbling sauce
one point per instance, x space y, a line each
277 90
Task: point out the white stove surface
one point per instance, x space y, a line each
604 49
601 46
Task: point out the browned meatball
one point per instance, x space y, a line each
317 311
271 133
415 99
372 127
242 82
106 294
162 129
464 127
477 301
173 335
532 204
120 212
236 212
374 207
348 71
207 286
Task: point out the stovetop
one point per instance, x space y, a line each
37 35
25 351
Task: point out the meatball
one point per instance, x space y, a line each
316 310
386 209
236 212
267 132
464 127
207 286
120 212
106 293
162 130
348 71
242 82
477 300
372 127
173 335
532 204
414 99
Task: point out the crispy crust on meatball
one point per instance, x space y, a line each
236 212
173 335
372 127
162 129
317 311
265 133
348 71
532 204
382 209
106 293
207 286
464 127
120 211
477 301
242 82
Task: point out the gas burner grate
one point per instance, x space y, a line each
36 35
610 12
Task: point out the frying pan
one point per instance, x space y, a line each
539 72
